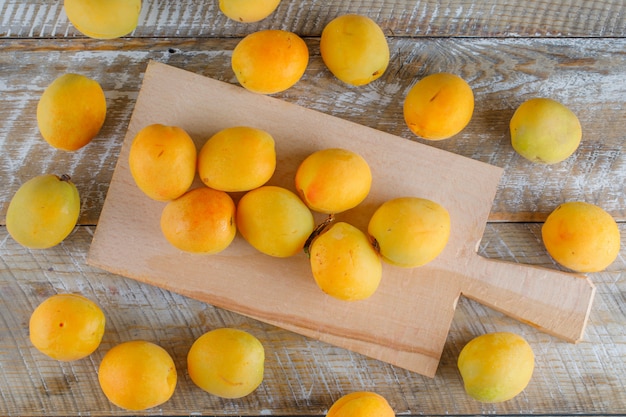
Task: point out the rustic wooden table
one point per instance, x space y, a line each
573 51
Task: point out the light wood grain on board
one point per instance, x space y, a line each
586 74
194 19
303 377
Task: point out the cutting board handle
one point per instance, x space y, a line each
555 302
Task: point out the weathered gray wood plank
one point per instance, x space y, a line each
303 377
585 74
199 19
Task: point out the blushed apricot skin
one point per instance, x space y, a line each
103 19
439 106
238 158
344 264
581 236
248 11
496 367
137 375
355 49
200 221
270 61
545 131
410 231
226 362
71 111
67 327
274 220
333 180
361 404
162 161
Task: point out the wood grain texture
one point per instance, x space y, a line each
303 376
585 74
405 18
572 50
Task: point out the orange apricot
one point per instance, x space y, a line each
439 106
71 111
274 220
361 404
238 158
270 61
162 161
137 375
67 327
200 221
581 236
344 264
333 180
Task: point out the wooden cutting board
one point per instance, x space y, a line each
407 321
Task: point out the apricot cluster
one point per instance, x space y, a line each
138 374
345 262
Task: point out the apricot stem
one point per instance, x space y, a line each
316 232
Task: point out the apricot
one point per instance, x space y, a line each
238 158
67 327
103 19
71 111
410 231
355 49
333 180
200 221
344 263
545 131
43 211
274 220
270 61
137 375
581 236
226 362
162 161
361 404
248 11
439 106
496 367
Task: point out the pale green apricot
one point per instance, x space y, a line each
545 131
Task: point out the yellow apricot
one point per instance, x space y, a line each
103 19
355 49
410 231
496 367
248 11
162 161
344 264
333 180
43 211
200 221
361 404
439 106
270 61
581 236
544 130
71 111
274 220
238 158
67 327
137 375
226 362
